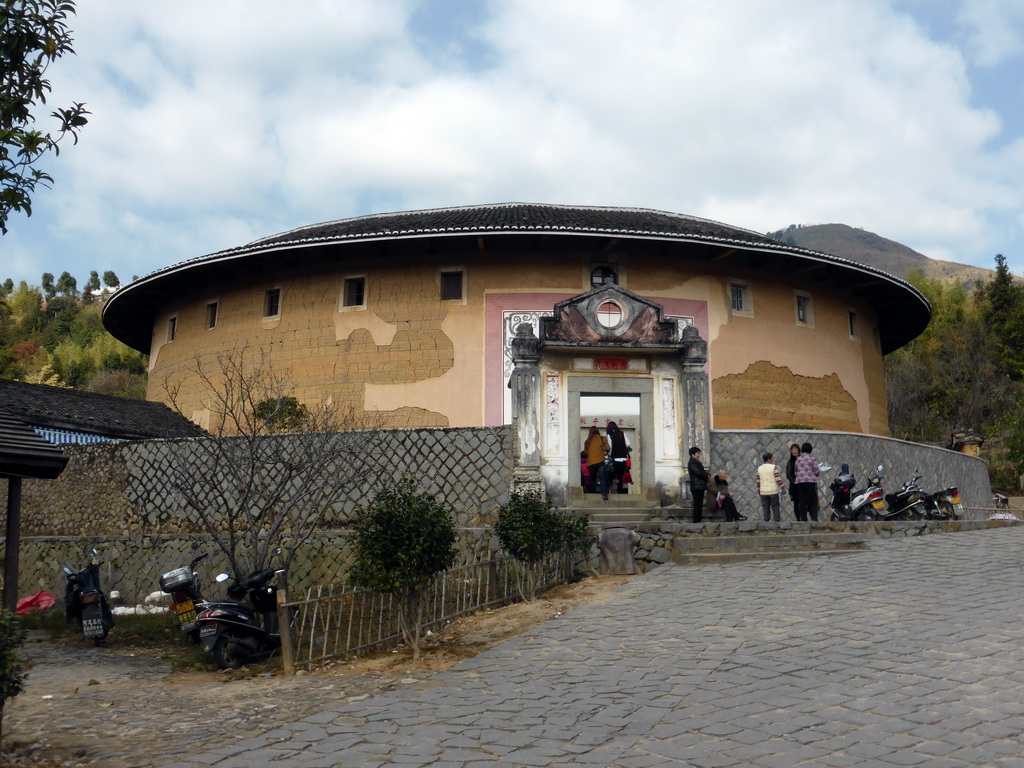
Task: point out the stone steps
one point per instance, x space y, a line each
689 550
617 515
710 558
620 509
757 542
589 501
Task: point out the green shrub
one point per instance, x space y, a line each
531 530
402 540
12 678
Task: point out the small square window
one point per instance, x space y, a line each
211 315
172 327
451 286
602 276
272 303
739 299
804 310
355 292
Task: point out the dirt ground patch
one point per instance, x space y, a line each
112 707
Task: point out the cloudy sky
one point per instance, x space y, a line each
215 123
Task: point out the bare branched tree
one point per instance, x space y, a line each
273 468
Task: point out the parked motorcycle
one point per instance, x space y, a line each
183 585
85 603
841 488
236 632
944 504
909 501
849 504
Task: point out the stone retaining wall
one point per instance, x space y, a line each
739 453
132 564
119 489
658 540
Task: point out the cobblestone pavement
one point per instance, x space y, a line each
907 654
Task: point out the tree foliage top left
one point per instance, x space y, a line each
33 34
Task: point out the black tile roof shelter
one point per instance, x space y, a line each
23 454
38 405
902 311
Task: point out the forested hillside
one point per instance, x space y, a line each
966 370
52 334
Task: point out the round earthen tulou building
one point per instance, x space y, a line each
558 316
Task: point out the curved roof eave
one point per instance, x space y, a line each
903 312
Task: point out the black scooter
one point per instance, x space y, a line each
848 504
183 585
236 632
944 504
85 604
842 489
909 501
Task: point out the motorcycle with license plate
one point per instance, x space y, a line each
84 601
944 504
239 630
908 502
849 504
183 585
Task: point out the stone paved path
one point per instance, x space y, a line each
911 653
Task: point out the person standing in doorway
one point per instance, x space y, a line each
698 483
770 487
596 447
620 452
806 485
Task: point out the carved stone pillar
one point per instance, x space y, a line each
696 404
525 383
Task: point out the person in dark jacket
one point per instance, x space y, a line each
698 483
719 497
794 451
620 453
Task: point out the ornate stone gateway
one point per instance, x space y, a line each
608 354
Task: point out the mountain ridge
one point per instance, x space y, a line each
873 250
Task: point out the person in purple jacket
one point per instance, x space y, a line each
806 485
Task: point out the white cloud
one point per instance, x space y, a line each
214 124
994 28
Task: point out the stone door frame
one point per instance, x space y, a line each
643 386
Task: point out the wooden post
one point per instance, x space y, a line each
12 545
284 622
492 578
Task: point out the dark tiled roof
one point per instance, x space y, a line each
516 217
23 453
38 405
902 311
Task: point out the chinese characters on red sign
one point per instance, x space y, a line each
610 364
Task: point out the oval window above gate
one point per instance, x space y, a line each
609 314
